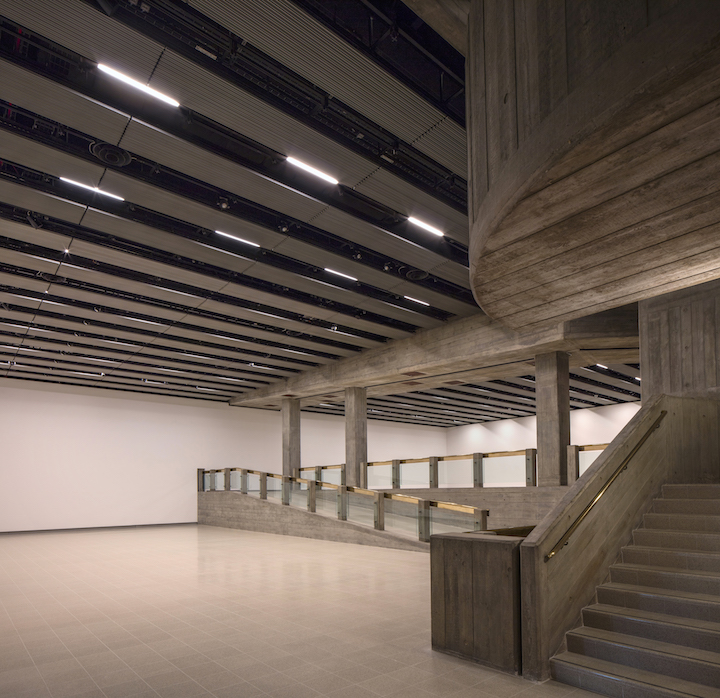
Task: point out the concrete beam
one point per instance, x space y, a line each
469 349
447 17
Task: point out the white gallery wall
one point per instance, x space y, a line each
77 458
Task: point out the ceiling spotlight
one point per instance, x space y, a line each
95 189
425 226
312 170
137 85
234 237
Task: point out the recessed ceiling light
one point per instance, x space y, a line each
91 375
339 273
235 237
207 390
415 300
147 322
425 226
601 366
95 189
312 170
137 85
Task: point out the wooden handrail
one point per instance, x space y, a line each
575 524
593 447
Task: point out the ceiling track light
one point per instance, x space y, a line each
312 170
425 226
95 189
137 85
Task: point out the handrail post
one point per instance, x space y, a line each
342 503
263 485
285 495
396 474
227 479
212 481
481 517
434 471
363 475
573 464
318 473
311 495
478 477
379 510
243 481
424 520
343 475
201 479
530 467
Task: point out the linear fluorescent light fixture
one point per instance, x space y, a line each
312 170
137 85
415 300
601 366
339 273
95 189
425 226
235 237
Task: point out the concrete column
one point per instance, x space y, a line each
573 464
290 410
552 394
355 434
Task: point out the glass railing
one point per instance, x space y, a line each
383 511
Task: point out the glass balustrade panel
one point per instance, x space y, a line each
326 501
504 471
235 480
332 475
586 459
253 485
298 495
206 481
401 517
455 473
448 521
415 475
379 477
274 488
361 509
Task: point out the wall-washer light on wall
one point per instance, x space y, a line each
95 189
425 226
137 85
312 170
235 237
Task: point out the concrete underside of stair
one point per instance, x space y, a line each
655 629
235 510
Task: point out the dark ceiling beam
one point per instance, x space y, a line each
199 39
23 47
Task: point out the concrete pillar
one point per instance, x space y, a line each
290 410
552 394
573 464
355 434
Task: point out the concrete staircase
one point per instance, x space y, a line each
655 629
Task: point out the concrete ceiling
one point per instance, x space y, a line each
218 270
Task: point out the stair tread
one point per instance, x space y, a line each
654 616
642 643
637 676
680 551
660 591
670 570
685 532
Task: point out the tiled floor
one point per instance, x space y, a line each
186 611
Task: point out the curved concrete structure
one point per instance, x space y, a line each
594 153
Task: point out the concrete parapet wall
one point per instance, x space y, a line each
509 506
235 510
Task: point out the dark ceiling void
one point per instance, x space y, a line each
203 41
397 39
22 47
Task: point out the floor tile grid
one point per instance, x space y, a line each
214 612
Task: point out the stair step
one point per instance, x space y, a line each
684 604
680 559
691 491
689 632
683 540
683 522
611 679
686 663
698 581
705 506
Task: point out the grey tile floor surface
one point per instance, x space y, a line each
190 611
